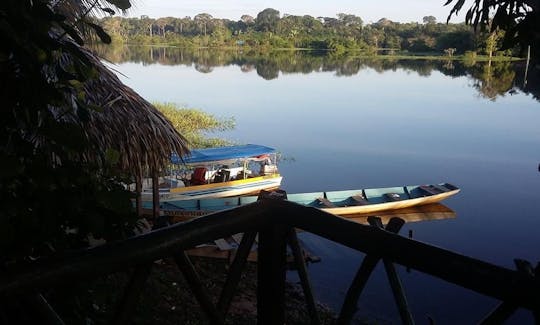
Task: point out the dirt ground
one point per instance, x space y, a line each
167 299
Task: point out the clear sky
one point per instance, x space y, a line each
368 10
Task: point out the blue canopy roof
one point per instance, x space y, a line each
222 153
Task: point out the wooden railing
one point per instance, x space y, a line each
275 220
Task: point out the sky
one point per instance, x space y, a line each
370 11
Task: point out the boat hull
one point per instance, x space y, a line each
219 190
348 203
371 208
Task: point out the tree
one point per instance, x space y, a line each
450 51
429 20
492 42
267 20
518 18
350 20
247 19
203 20
46 184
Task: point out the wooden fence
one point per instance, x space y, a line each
275 220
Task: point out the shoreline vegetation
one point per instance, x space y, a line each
347 33
196 125
358 54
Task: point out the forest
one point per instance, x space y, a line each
347 32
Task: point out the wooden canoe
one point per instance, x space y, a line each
343 203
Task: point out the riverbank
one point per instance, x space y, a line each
378 54
167 299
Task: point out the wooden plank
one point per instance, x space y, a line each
222 244
237 237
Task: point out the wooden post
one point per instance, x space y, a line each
271 269
304 277
131 294
155 194
527 66
138 193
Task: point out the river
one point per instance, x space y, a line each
345 122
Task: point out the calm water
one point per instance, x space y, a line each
346 123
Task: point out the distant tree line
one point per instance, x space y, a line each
271 30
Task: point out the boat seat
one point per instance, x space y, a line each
325 202
450 186
222 176
359 200
390 197
199 176
440 188
430 189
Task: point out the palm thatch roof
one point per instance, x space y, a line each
124 122
128 123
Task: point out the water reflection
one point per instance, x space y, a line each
491 79
435 211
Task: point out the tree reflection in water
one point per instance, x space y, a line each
492 79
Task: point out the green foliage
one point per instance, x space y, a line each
267 20
494 79
518 18
52 196
469 58
196 124
268 31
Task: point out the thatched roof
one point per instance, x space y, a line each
129 124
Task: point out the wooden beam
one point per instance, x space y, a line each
194 282
235 272
300 264
394 225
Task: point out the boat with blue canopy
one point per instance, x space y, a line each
219 172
